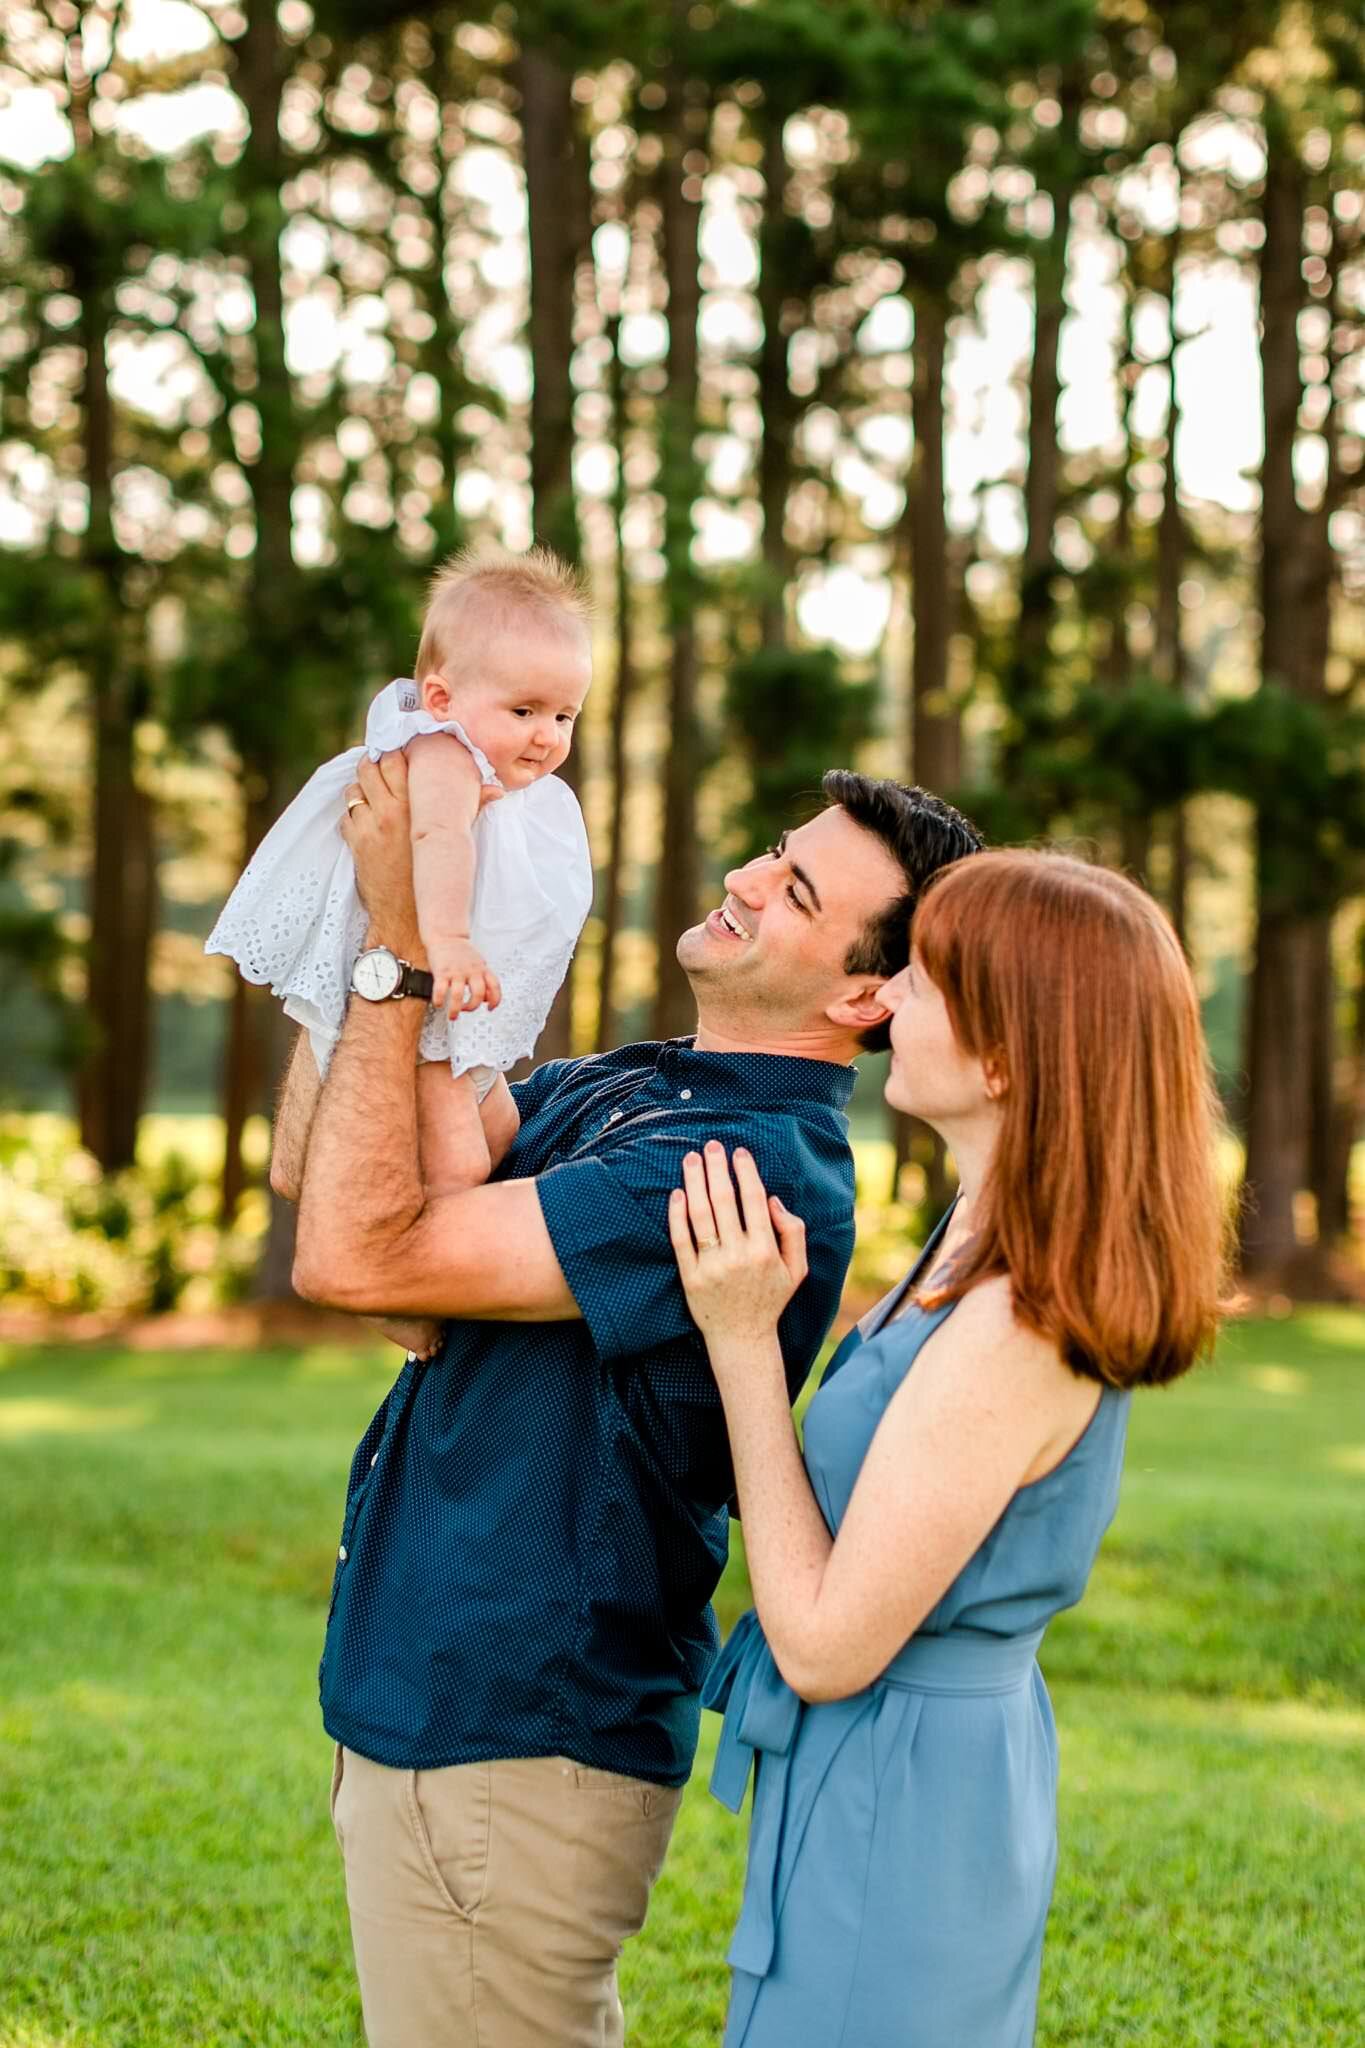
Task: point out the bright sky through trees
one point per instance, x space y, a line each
848 605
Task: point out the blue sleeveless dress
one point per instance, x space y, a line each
903 1842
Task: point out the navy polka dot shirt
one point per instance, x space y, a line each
536 1519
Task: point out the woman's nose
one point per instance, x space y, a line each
892 993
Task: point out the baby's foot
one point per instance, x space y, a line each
418 1334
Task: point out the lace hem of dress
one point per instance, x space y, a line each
316 986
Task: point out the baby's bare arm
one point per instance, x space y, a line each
443 799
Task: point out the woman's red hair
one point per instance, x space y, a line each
1102 1202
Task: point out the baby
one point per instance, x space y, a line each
502 873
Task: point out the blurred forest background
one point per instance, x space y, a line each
885 366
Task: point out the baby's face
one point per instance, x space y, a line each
517 694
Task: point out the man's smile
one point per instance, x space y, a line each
726 925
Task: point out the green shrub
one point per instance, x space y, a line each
135 1243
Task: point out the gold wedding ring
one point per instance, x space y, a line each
354 803
707 1244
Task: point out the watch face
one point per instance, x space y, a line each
375 974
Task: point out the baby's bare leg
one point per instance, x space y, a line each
454 1156
449 1131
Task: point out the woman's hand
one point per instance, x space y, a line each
741 1260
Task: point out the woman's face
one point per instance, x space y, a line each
930 1076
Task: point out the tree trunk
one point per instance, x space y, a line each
243 1091
774 388
935 734
123 896
1326 1177
622 702
442 354
111 1087
275 597
1286 978
1348 1121
1028 674
1135 825
1280 1035
679 874
1168 652
1117 663
273 1279
559 224
935 723
1179 897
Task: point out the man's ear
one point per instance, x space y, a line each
435 693
860 1009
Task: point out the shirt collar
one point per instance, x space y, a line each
765 1079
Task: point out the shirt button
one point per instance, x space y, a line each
374 1461
341 1552
686 1095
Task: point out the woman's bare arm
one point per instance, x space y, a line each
988 1408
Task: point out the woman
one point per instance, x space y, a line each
903 1841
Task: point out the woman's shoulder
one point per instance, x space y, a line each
986 1329
1001 1361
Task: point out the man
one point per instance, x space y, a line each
536 1519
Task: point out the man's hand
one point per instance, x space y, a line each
376 830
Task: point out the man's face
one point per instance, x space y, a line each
773 953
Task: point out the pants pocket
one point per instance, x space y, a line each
620 1829
646 1798
450 1811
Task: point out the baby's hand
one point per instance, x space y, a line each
463 979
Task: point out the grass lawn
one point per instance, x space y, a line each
167 1874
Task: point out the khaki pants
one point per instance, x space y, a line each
489 1902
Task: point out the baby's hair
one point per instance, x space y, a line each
490 589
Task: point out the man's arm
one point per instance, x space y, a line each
369 1240
299 1092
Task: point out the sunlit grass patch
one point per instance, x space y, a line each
167 1873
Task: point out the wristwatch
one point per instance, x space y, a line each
380 977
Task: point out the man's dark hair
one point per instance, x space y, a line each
922 833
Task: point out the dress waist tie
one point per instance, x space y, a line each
762 1715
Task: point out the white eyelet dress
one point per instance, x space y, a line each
295 920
